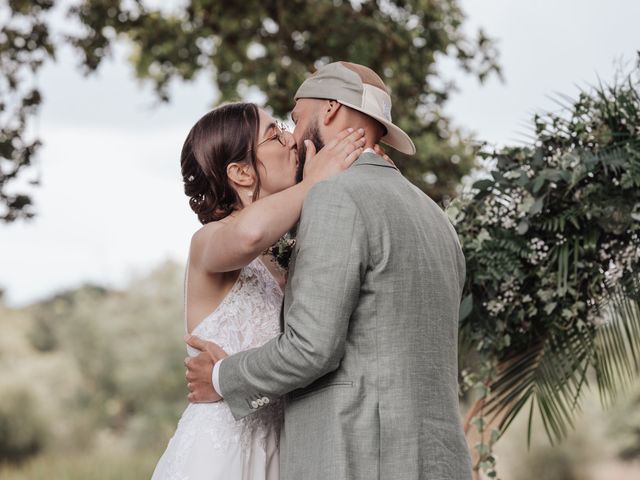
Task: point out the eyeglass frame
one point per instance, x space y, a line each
282 128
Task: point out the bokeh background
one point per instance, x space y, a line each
91 323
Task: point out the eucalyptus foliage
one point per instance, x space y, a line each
552 242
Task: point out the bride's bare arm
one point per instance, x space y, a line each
223 247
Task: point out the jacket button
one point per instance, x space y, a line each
254 404
265 400
260 402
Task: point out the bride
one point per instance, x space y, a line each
239 168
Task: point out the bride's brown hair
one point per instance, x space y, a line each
225 135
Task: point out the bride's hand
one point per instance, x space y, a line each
380 151
335 157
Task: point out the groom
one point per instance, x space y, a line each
367 360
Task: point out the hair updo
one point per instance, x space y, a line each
225 135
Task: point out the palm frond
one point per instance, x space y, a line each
617 343
551 375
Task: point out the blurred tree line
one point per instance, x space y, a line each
93 366
268 46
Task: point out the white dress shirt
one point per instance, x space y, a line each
215 377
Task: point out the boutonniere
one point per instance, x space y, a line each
282 249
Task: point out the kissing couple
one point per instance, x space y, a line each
344 365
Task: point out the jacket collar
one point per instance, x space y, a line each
369 158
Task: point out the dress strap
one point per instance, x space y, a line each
186 281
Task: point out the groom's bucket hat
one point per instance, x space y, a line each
360 88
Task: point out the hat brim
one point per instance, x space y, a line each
395 137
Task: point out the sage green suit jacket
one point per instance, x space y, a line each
367 360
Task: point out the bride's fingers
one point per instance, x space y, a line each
341 139
386 157
340 136
343 134
355 145
353 156
350 147
380 151
352 139
310 150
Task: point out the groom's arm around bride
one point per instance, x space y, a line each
326 271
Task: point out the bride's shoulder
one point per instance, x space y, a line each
204 234
209 229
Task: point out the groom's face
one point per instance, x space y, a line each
305 115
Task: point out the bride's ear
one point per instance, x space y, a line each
241 174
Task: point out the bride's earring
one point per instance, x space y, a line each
250 194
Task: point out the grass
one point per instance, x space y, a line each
92 466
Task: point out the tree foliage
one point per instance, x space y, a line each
25 45
266 46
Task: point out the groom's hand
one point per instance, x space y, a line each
200 368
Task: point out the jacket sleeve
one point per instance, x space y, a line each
330 263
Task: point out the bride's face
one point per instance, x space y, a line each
277 156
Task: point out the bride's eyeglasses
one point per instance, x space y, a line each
281 129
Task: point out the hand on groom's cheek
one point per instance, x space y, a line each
200 368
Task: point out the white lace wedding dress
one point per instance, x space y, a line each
208 443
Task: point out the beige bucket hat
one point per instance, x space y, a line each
360 88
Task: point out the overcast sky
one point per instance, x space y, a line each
111 201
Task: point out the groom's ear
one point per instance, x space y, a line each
241 174
329 111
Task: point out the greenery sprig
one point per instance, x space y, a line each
282 249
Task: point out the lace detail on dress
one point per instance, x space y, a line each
249 314
246 318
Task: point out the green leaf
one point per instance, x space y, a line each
466 307
537 206
550 307
523 227
538 183
483 184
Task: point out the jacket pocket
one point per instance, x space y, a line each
315 388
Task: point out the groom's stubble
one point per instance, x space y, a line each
312 133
